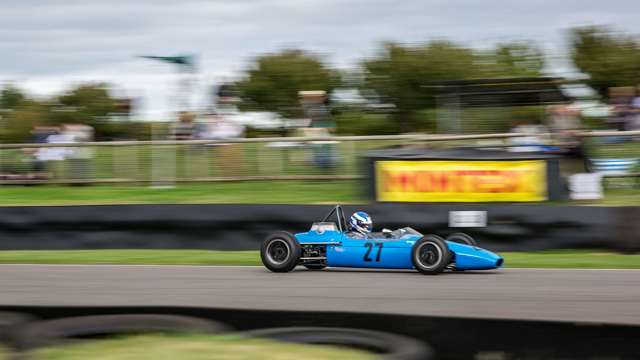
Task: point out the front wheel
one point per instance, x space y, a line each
430 255
280 252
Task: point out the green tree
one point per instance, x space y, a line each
405 75
274 81
11 97
18 123
84 104
410 76
515 59
609 58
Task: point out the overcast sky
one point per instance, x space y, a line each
47 46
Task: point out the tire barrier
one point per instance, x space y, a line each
28 334
389 346
49 332
12 325
510 227
448 338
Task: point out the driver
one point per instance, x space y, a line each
359 225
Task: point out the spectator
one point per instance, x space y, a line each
38 156
564 123
216 127
622 116
314 106
184 128
635 107
228 156
533 142
58 153
79 157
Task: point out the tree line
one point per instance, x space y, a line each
396 75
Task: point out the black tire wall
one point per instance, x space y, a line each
243 227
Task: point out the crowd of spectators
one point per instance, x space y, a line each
42 159
563 122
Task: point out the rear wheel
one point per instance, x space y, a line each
462 238
430 255
280 252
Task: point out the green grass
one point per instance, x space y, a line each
274 192
580 259
598 148
621 197
133 257
544 259
249 192
195 347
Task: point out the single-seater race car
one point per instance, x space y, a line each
327 244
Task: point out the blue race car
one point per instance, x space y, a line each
327 244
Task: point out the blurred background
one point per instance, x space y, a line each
190 73
437 115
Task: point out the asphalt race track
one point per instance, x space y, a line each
607 296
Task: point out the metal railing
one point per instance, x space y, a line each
273 158
409 137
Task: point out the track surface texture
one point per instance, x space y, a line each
607 296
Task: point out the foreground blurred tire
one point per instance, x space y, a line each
389 346
11 325
42 333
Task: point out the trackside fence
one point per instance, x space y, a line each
273 158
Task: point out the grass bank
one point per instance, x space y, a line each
248 192
271 192
195 346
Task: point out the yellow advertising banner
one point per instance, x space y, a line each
460 181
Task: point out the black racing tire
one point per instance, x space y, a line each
315 267
11 325
280 252
47 332
462 238
389 346
430 255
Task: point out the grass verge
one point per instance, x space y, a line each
131 257
545 259
270 192
248 192
579 259
195 347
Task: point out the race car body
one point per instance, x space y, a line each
327 244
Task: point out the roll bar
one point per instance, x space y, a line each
342 224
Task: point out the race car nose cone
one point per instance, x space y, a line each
475 258
489 260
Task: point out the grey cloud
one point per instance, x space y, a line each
52 37
64 38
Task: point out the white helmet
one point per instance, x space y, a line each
361 222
